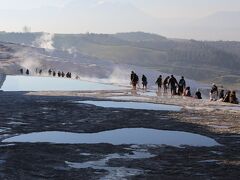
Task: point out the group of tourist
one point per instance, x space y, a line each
59 73
180 88
228 97
51 72
176 87
170 82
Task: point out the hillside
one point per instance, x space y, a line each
205 61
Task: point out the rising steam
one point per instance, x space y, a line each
119 76
45 41
28 60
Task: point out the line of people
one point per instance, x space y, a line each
51 72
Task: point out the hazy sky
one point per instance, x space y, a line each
158 8
158 16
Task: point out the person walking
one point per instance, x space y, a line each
159 83
181 86
135 81
173 83
144 82
165 84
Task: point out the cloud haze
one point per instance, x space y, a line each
206 19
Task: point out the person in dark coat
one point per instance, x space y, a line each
181 86
49 72
198 94
173 83
67 75
21 71
27 72
135 81
221 94
165 84
159 82
144 82
132 76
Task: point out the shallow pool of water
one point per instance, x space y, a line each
128 98
133 105
114 172
140 136
40 83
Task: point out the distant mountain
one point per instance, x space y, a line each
223 20
206 61
217 26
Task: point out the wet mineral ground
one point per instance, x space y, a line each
21 113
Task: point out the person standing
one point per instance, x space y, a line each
165 84
131 77
221 94
159 83
173 82
181 86
49 72
214 93
59 74
134 80
144 82
27 72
